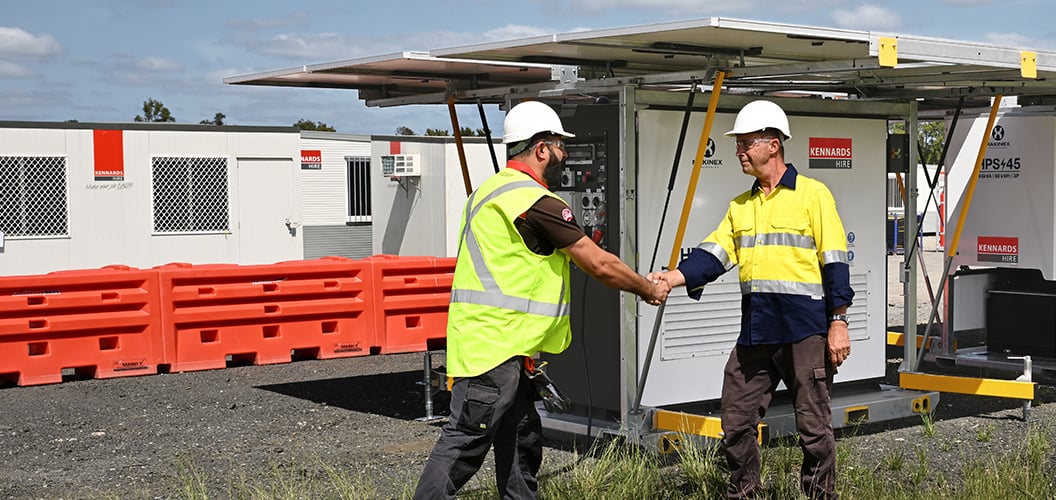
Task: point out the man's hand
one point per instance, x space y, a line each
839 342
658 293
672 278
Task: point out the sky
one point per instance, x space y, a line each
99 60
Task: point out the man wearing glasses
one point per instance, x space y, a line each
788 241
510 299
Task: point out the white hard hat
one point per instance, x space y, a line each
757 116
529 118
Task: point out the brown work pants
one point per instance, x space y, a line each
751 377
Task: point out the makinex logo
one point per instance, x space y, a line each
997 138
997 249
830 152
709 152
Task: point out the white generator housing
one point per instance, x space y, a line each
1012 216
696 337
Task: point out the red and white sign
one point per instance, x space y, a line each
997 249
830 152
311 159
109 146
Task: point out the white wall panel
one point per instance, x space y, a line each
325 191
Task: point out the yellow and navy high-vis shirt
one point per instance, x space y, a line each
791 250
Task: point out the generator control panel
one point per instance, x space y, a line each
583 185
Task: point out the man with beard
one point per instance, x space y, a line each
510 299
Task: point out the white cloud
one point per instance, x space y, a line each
870 17
20 43
1019 41
157 64
968 2
514 31
1007 39
316 47
668 5
295 19
12 70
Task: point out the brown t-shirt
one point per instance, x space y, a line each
548 225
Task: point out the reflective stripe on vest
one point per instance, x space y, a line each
492 295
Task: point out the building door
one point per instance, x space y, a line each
267 226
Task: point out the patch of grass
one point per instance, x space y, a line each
985 434
191 480
927 420
780 468
619 469
919 475
314 479
616 470
893 461
703 467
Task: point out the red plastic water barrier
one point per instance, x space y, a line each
99 323
266 314
411 295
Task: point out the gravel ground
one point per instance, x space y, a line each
131 437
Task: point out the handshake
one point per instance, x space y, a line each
660 284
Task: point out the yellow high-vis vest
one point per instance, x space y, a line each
505 299
781 242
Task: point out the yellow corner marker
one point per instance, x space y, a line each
1028 64
888 52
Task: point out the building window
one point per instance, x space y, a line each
358 188
190 195
33 196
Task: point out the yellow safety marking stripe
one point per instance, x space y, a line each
698 425
899 339
1028 64
888 52
922 405
1011 389
856 415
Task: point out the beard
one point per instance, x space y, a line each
552 172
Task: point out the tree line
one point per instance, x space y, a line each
154 111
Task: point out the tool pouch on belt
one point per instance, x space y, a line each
545 389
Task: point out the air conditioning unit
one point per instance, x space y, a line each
401 165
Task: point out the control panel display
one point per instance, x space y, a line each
583 185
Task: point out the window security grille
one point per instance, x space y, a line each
190 194
358 189
33 196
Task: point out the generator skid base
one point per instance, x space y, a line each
666 431
1043 369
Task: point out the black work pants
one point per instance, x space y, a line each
751 377
494 408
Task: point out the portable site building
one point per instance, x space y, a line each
416 211
356 204
336 186
624 92
85 195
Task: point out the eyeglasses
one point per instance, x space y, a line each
557 143
746 144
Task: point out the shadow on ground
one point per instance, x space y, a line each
397 395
